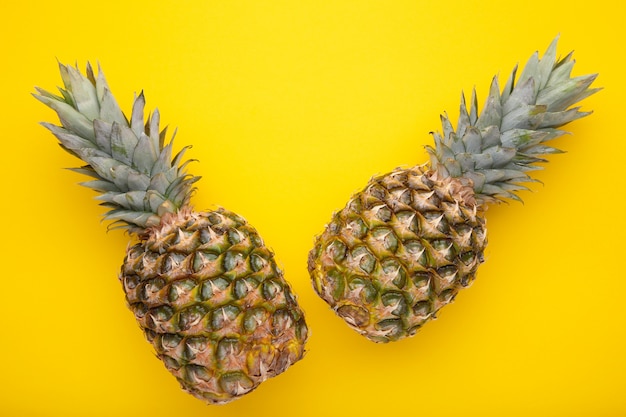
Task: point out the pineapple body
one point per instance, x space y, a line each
399 251
403 247
210 298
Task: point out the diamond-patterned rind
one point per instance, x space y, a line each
398 252
211 300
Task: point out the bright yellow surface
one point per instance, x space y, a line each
291 106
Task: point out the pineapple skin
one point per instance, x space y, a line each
210 298
400 250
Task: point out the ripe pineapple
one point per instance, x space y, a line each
411 239
202 285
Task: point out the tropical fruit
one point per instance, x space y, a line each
403 247
202 284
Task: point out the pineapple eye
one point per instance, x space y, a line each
227 347
407 222
149 258
383 213
447 296
377 191
392 328
462 229
400 177
354 315
215 218
302 331
243 286
281 322
195 373
182 235
257 262
385 237
439 221
480 236
256 240
253 318
422 308
403 196
355 205
447 272
467 257
232 260
337 283
235 382
236 219
366 260
417 250
135 252
171 262
413 330
177 288
271 289
441 245
224 315
162 243
170 340
396 300
337 250
334 227
131 282
151 288
364 288
466 280
191 316
139 310
213 288
202 259
205 236
160 314
193 346
289 297
356 228
392 268
421 279
198 344
235 236
170 363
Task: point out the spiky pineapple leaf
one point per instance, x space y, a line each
498 148
129 160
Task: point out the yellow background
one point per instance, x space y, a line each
291 106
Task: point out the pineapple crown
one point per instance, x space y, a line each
130 163
497 149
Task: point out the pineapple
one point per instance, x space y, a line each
203 287
404 246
